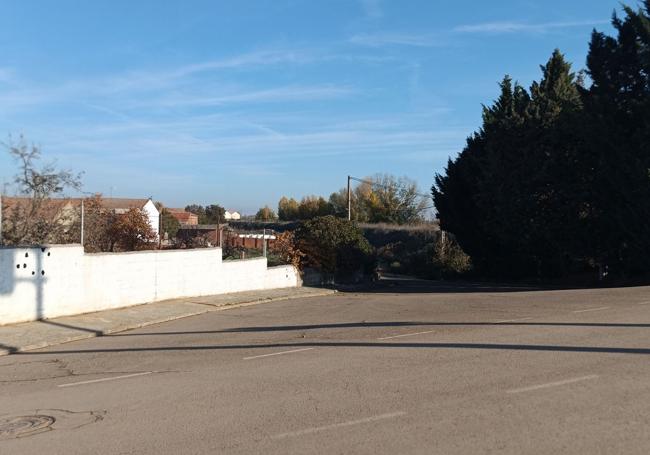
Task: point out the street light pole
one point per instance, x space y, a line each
349 201
1 219
82 223
264 242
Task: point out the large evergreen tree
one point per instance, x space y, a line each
618 114
558 180
465 196
509 197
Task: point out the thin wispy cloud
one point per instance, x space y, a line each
444 38
397 39
372 8
248 61
524 27
6 75
147 87
274 95
255 139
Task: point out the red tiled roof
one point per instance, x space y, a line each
123 203
58 203
49 207
171 210
183 216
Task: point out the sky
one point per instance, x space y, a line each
241 102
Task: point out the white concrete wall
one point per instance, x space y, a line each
284 276
66 281
34 281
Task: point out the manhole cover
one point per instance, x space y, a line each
17 427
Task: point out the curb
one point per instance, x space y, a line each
209 308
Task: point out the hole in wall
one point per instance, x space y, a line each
17 266
24 266
48 253
33 273
43 250
26 255
42 272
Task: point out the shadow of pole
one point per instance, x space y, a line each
40 278
15 265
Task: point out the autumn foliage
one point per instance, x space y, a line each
286 249
131 231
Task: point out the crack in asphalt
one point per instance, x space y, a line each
64 370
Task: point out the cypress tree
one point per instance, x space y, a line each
618 115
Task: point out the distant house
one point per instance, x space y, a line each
232 215
62 212
184 217
54 209
121 205
66 210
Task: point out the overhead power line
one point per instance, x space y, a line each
369 182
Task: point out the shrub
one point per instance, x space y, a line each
285 250
334 246
425 256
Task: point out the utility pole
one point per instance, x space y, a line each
264 243
219 229
1 218
82 223
349 201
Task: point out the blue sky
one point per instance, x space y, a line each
241 102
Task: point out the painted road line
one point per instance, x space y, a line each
644 303
334 426
553 384
592 309
513 320
113 378
406 335
277 353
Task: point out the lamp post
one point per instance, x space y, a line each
349 200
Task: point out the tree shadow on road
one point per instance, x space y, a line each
355 344
352 325
410 285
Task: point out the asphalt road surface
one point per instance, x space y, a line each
409 369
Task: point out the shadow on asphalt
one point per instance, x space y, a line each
408 285
9 349
351 325
352 344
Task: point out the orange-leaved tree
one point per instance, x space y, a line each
131 231
285 247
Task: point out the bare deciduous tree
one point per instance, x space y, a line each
36 219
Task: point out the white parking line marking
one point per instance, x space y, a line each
592 309
334 426
513 320
553 384
406 335
277 353
105 379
